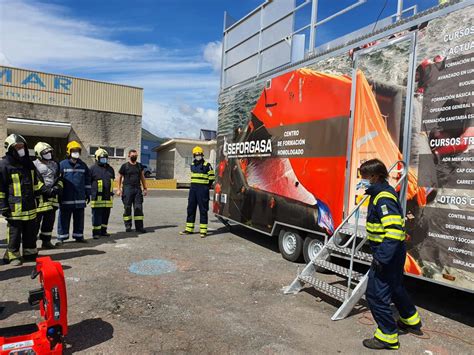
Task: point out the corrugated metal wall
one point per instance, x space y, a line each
58 90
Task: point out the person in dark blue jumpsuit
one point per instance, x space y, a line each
202 178
386 235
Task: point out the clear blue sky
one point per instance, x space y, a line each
170 48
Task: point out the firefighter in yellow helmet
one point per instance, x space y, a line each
76 194
48 168
20 186
102 192
202 178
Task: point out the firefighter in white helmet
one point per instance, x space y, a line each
48 168
102 192
20 186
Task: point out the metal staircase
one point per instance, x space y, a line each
346 243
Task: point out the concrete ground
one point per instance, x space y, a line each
224 297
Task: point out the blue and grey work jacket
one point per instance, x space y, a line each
77 184
385 223
202 173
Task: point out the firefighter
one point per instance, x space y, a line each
48 168
386 235
131 180
76 194
20 186
102 192
202 178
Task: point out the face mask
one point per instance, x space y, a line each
103 160
363 184
21 152
133 158
75 155
198 157
48 156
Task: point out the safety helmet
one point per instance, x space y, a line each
40 147
197 150
101 153
13 139
72 145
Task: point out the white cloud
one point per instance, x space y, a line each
184 121
213 54
48 38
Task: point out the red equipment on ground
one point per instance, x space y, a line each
47 336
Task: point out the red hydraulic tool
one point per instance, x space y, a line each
47 336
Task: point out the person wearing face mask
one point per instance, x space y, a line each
76 194
386 234
20 187
102 192
202 178
131 180
47 207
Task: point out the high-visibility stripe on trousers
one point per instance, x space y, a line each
198 197
132 199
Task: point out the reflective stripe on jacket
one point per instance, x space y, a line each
102 186
202 173
20 185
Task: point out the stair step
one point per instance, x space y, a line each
347 251
361 232
338 269
324 287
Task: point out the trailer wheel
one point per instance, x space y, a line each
313 245
290 244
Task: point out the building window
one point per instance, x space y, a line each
145 147
113 152
188 160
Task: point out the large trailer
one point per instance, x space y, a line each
290 139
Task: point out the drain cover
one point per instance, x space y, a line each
152 267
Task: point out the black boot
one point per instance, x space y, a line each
376 344
47 245
405 328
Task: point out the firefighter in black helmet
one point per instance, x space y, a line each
20 186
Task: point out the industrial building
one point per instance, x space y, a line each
149 143
175 156
57 109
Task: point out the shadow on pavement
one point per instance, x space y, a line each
448 302
22 271
263 240
11 307
88 333
75 254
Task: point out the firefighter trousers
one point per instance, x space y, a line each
384 287
132 198
64 222
18 233
198 197
45 224
100 220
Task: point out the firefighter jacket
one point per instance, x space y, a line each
20 186
385 223
77 183
102 190
202 173
49 171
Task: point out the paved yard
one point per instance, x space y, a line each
223 297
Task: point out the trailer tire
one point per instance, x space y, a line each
312 245
290 244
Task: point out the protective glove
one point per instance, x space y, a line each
88 199
6 213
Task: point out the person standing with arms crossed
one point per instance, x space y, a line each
131 180
202 178
386 235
